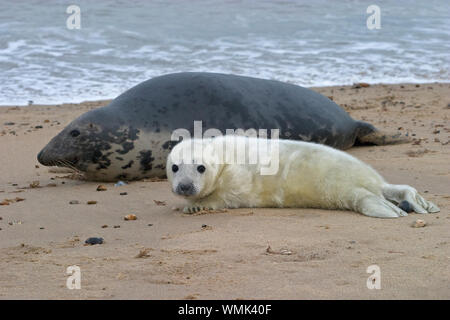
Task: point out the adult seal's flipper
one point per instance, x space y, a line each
367 134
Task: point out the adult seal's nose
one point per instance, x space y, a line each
44 158
40 157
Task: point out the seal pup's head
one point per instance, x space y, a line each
193 167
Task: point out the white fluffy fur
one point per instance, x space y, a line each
309 176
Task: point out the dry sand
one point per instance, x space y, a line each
329 250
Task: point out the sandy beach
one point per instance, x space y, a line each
238 254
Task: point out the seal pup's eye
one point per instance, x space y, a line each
201 168
174 168
75 133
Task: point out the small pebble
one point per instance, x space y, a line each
101 188
74 202
35 184
150 224
92 202
123 193
405 206
115 227
419 223
360 85
104 226
11 223
39 127
130 217
143 254
94 240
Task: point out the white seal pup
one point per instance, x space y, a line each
308 175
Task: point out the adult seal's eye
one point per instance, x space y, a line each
174 168
201 168
75 133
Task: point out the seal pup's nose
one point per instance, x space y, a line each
185 189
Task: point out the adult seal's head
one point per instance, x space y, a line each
93 144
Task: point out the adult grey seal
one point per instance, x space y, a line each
130 138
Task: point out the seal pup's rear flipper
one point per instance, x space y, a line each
400 193
367 134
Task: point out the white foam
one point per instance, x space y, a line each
43 61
